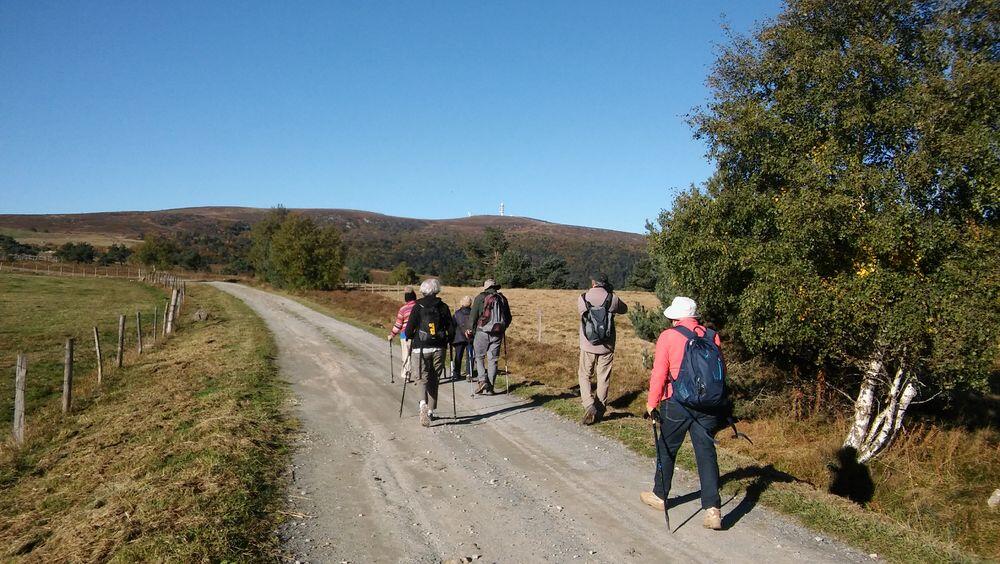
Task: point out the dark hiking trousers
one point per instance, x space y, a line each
678 421
457 354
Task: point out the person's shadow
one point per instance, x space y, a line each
761 478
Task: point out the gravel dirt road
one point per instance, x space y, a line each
505 481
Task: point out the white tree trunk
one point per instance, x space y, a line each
865 403
888 423
870 435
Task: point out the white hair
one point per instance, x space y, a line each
430 287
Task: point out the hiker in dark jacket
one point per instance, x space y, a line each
430 328
488 328
461 342
597 359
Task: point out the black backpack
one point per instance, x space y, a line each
435 325
701 381
598 322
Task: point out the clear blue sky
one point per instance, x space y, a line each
567 111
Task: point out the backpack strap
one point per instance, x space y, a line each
583 296
708 336
689 334
607 301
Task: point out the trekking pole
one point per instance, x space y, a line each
401 398
454 403
506 367
392 378
659 466
471 351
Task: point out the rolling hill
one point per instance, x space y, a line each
381 241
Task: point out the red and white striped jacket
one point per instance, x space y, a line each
402 316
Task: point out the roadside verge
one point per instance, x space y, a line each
179 457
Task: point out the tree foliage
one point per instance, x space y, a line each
552 273
403 274
642 276
76 252
357 272
115 254
853 213
296 253
10 247
514 270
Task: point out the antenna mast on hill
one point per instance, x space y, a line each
501 209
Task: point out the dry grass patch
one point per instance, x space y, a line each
177 458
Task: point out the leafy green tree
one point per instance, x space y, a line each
10 246
642 276
304 255
851 222
76 252
403 274
261 235
485 254
514 270
356 271
115 254
552 273
156 251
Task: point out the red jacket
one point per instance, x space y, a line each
402 316
669 355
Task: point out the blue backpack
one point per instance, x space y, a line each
701 382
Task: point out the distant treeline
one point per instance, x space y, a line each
518 260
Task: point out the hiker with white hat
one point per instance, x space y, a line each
490 318
687 395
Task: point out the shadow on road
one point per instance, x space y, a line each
761 478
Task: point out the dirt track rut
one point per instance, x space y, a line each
504 482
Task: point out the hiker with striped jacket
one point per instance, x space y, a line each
402 317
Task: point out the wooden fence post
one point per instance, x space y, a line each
166 306
172 311
138 331
100 361
20 377
156 314
121 341
67 399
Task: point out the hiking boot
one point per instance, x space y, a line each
425 416
589 416
482 387
652 500
713 519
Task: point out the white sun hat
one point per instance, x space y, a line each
680 308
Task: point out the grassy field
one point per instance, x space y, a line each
177 457
44 238
38 313
931 487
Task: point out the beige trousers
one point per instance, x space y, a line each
406 347
599 364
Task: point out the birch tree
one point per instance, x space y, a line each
851 222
